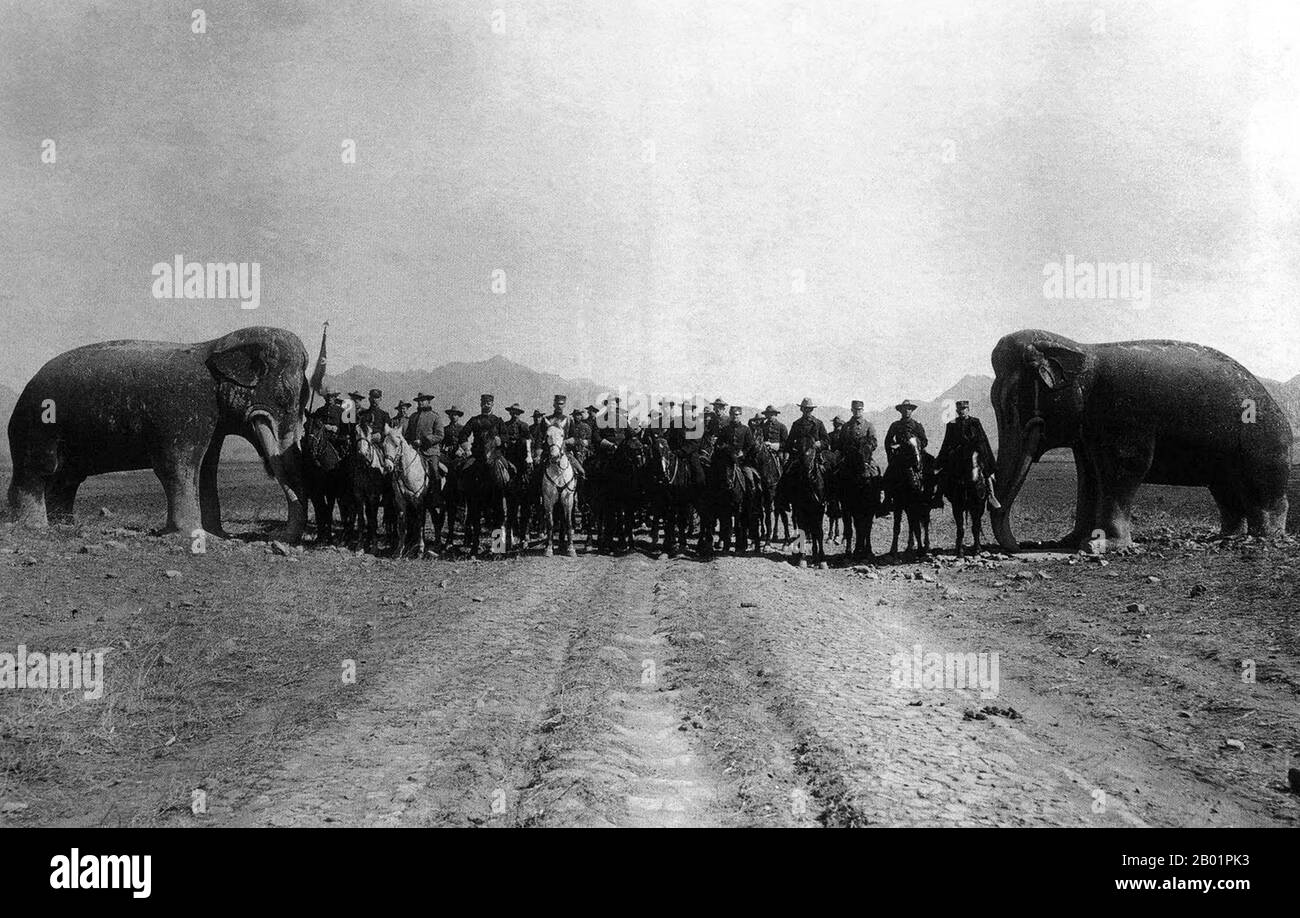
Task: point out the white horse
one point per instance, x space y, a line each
409 479
559 491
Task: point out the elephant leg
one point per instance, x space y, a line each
60 494
179 475
1232 515
1122 473
1087 498
209 502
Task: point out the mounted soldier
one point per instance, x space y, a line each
963 435
399 417
515 442
736 435
374 419
578 441
859 434
833 441
451 433
480 429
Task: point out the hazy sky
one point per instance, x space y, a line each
843 199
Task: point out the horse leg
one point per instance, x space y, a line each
959 517
976 519
898 522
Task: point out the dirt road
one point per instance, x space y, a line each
636 692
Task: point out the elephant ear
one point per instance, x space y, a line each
1058 366
244 365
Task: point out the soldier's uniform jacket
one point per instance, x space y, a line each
580 431
514 440
834 439
773 431
967 431
860 434
806 428
482 427
451 436
329 415
374 419
901 430
740 438
424 431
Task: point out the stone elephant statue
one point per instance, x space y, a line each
1162 412
122 405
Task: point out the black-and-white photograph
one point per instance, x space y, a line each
654 413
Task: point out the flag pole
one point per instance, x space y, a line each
318 374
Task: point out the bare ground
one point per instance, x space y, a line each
632 692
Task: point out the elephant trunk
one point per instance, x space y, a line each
285 465
1014 460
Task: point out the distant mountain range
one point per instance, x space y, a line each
461 384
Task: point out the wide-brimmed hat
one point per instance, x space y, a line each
837 420
807 403
719 402
401 405
355 396
456 412
538 413
592 408
771 411
423 397
576 412
376 393
905 403
515 409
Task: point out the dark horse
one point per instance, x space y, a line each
325 480
806 487
730 501
857 483
366 482
967 489
487 484
769 474
620 493
673 490
913 492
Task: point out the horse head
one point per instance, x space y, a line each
390 448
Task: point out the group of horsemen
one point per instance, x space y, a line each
458 444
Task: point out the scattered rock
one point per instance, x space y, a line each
12 806
280 548
1136 607
104 511
444 583
749 605
172 574
953 595
1234 744
1198 590
1043 575
1152 578
477 599
882 601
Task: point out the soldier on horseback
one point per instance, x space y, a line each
896 439
771 431
451 433
963 435
424 429
374 419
